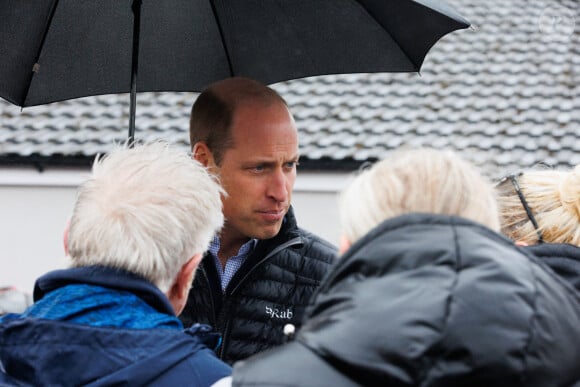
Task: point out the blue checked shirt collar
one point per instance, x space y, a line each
233 263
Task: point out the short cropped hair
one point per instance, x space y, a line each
213 111
146 210
553 197
416 180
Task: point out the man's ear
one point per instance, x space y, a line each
203 154
180 289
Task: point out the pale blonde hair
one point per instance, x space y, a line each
553 197
418 180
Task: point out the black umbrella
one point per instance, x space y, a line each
53 50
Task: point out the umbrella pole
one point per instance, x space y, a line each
136 7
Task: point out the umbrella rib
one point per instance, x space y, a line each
417 68
222 37
136 8
36 67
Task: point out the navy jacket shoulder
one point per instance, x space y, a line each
85 343
54 353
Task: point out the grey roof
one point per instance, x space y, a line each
504 94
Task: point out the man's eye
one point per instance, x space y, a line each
291 164
258 168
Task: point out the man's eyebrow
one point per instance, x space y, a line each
272 161
252 163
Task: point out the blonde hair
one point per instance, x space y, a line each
553 197
146 210
418 180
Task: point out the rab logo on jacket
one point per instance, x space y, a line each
279 313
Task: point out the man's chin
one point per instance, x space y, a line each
268 232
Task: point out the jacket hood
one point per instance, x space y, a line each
428 300
106 277
563 258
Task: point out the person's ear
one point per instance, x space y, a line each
180 289
203 154
344 244
65 236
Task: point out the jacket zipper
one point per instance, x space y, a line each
292 242
214 317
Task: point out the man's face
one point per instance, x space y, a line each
258 173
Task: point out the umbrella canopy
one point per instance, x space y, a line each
53 50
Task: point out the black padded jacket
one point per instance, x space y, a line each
431 301
271 289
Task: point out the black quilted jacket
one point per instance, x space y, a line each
271 289
431 301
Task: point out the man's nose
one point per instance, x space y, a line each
278 186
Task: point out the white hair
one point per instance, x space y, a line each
417 180
146 210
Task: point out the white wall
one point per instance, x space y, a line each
34 208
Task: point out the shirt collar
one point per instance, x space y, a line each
245 249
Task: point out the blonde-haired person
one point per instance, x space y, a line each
427 292
139 226
540 209
393 188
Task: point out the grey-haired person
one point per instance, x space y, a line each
139 226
